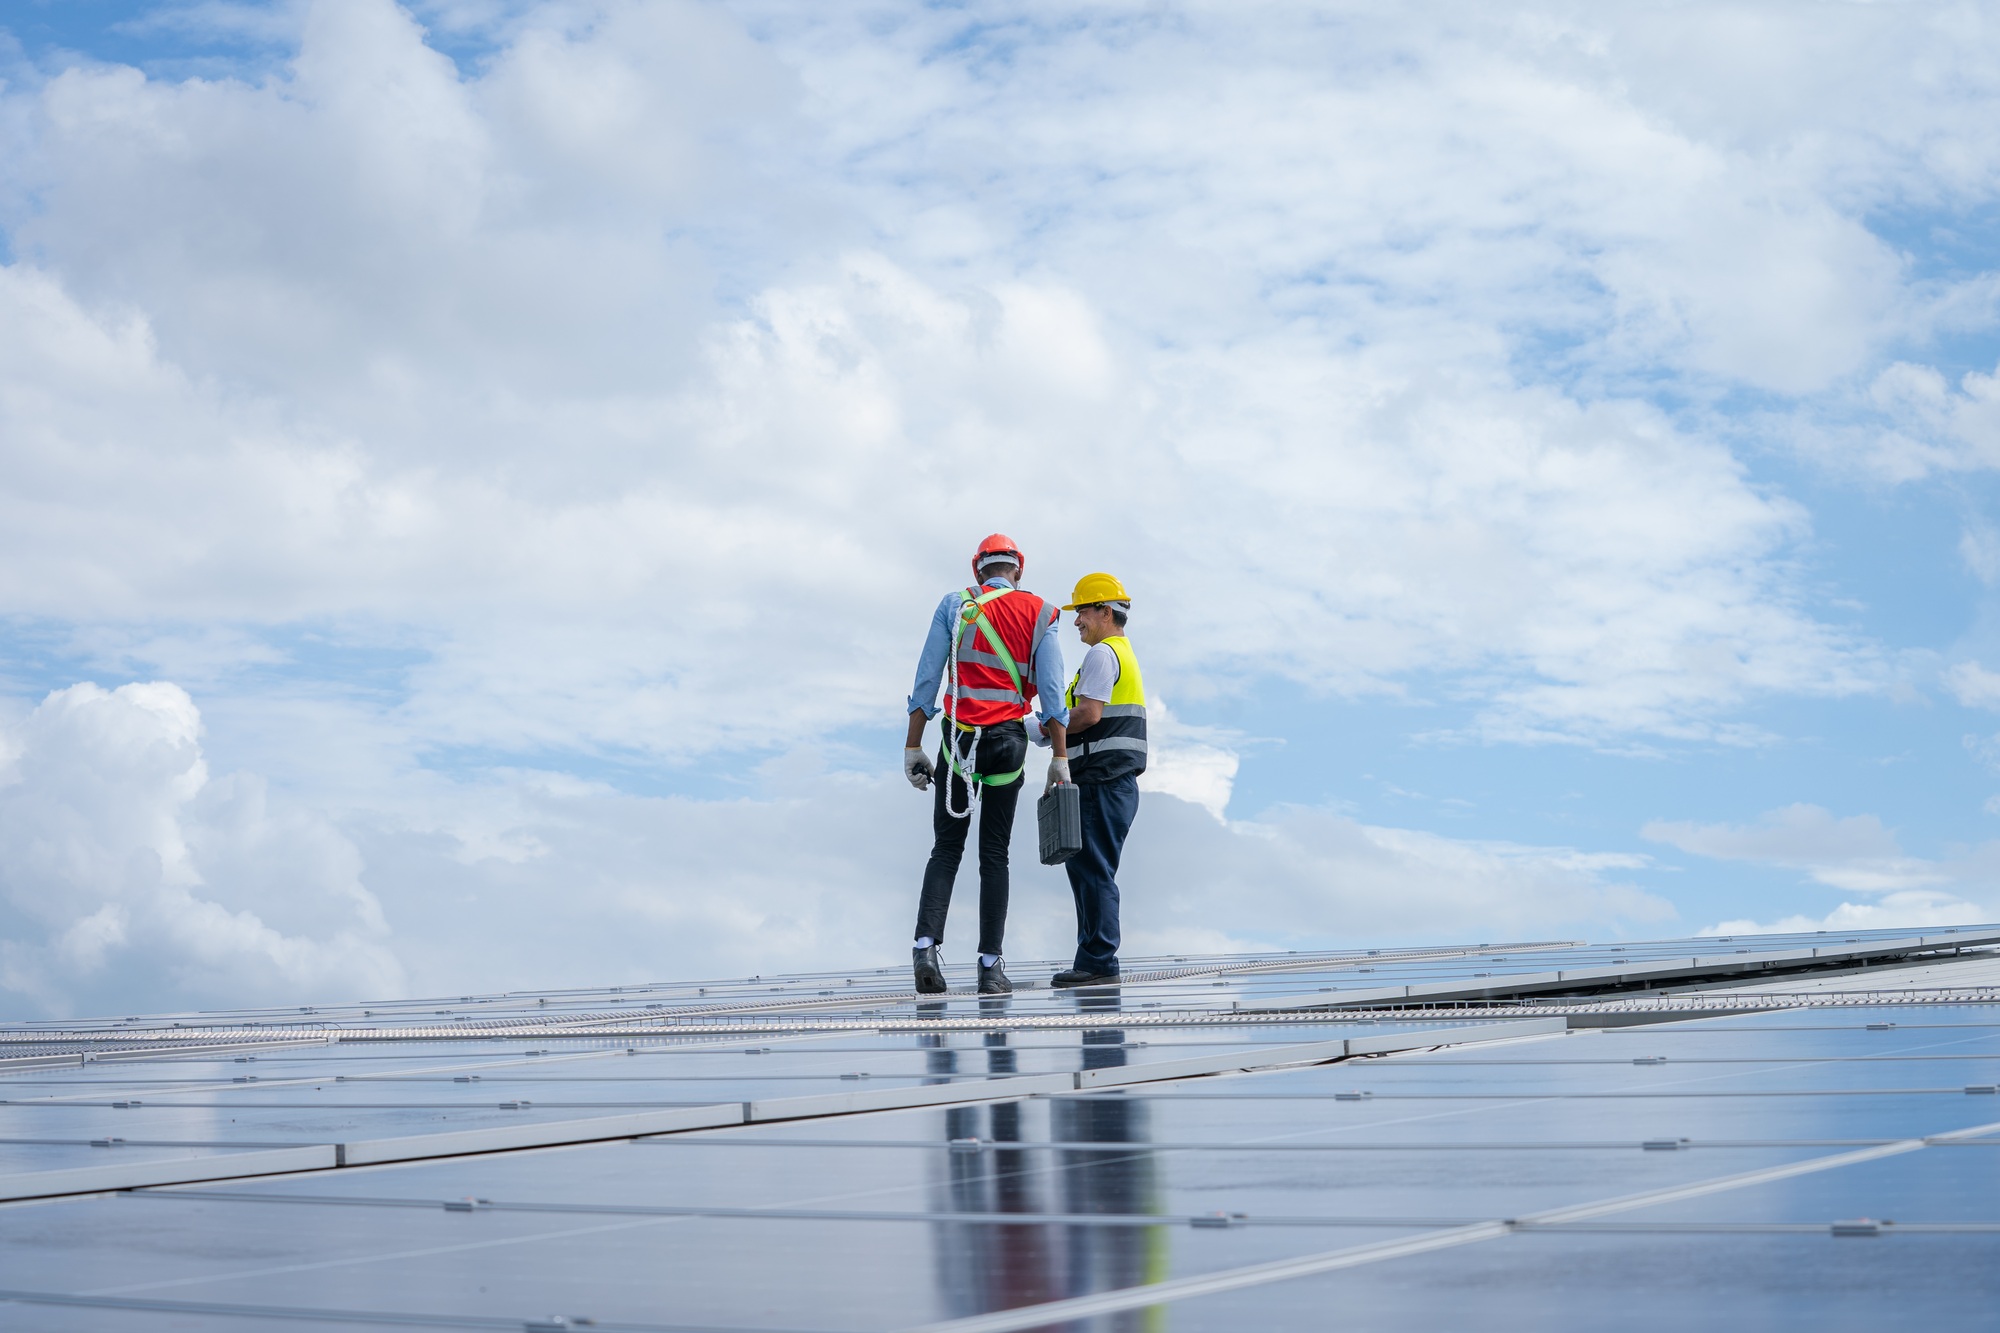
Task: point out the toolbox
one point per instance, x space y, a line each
1060 815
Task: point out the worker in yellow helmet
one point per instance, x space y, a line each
1107 753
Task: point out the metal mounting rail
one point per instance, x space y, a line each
1653 1008
1656 972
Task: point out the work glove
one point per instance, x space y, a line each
1058 773
917 767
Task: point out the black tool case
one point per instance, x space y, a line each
1060 815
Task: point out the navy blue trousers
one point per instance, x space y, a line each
1108 811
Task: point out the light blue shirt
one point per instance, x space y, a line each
937 655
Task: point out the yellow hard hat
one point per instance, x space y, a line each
1094 588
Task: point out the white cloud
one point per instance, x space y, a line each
128 874
1518 150
1301 874
819 869
1973 685
230 20
382 341
1856 853
1794 834
1907 907
1979 548
1195 764
1552 559
1920 424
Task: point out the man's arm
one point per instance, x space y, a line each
922 704
1094 683
1051 716
932 661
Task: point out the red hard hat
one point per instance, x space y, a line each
998 544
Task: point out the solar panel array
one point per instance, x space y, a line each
1209 1145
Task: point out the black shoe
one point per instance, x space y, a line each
930 971
993 980
1076 977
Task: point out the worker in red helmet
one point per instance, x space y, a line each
992 648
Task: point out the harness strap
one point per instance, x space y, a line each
986 779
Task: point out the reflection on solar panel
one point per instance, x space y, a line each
1786 1131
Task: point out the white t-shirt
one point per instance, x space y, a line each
1100 671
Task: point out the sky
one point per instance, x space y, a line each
475 474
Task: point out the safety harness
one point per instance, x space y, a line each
971 614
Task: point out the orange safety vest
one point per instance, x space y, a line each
998 631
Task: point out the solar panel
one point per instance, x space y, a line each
869 1160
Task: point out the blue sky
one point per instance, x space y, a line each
476 473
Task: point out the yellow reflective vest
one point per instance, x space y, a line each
1115 745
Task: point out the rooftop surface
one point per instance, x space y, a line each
1780 1130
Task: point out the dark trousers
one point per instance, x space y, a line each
1002 749
1108 811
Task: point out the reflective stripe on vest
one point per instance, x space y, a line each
994 696
1114 746
984 659
1105 743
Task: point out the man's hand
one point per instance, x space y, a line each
917 767
1058 773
